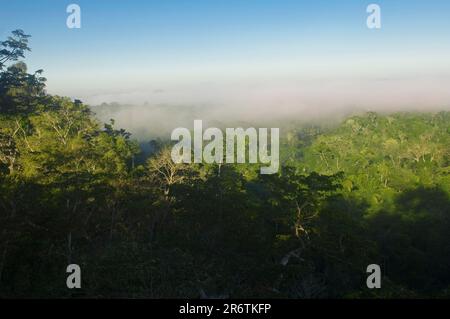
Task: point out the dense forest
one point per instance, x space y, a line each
372 190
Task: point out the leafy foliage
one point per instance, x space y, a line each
373 190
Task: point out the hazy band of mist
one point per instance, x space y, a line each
156 111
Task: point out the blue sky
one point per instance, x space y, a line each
132 46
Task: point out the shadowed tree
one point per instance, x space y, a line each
14 47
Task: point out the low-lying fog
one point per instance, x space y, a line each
156 111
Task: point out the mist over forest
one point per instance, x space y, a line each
255 104
88 177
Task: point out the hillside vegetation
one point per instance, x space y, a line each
374 190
